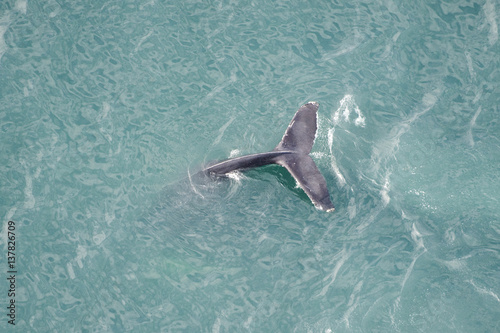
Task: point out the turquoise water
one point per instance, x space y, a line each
108 108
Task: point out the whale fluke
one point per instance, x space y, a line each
292 153
300 134
307 175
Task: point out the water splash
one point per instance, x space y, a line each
343 114
234 153
347 105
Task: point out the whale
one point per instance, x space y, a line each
292 152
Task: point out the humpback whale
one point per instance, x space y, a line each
292 153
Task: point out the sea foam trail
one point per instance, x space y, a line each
491 17
343 114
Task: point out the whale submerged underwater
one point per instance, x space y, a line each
292 153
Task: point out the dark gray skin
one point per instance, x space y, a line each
292 153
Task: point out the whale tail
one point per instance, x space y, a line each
299 138
292 153
300 134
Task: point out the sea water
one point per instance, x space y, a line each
108 108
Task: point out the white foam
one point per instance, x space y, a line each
150 3
409 271
388 147
333 162
318 154
28 192
99 238
333 275
71 271
105 111
491 15
347 106
194 187
353 302
216 326
384 192
390 45
3 46
417 237
455 264
9 214
351 208
54 13
234 153
109 217
484 291
471 125
222 130
352 43
81 253
21 6
469 65
143 38
235 175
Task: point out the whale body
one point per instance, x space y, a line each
292 153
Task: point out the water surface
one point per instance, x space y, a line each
107 109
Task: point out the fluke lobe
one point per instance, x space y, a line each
292 153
